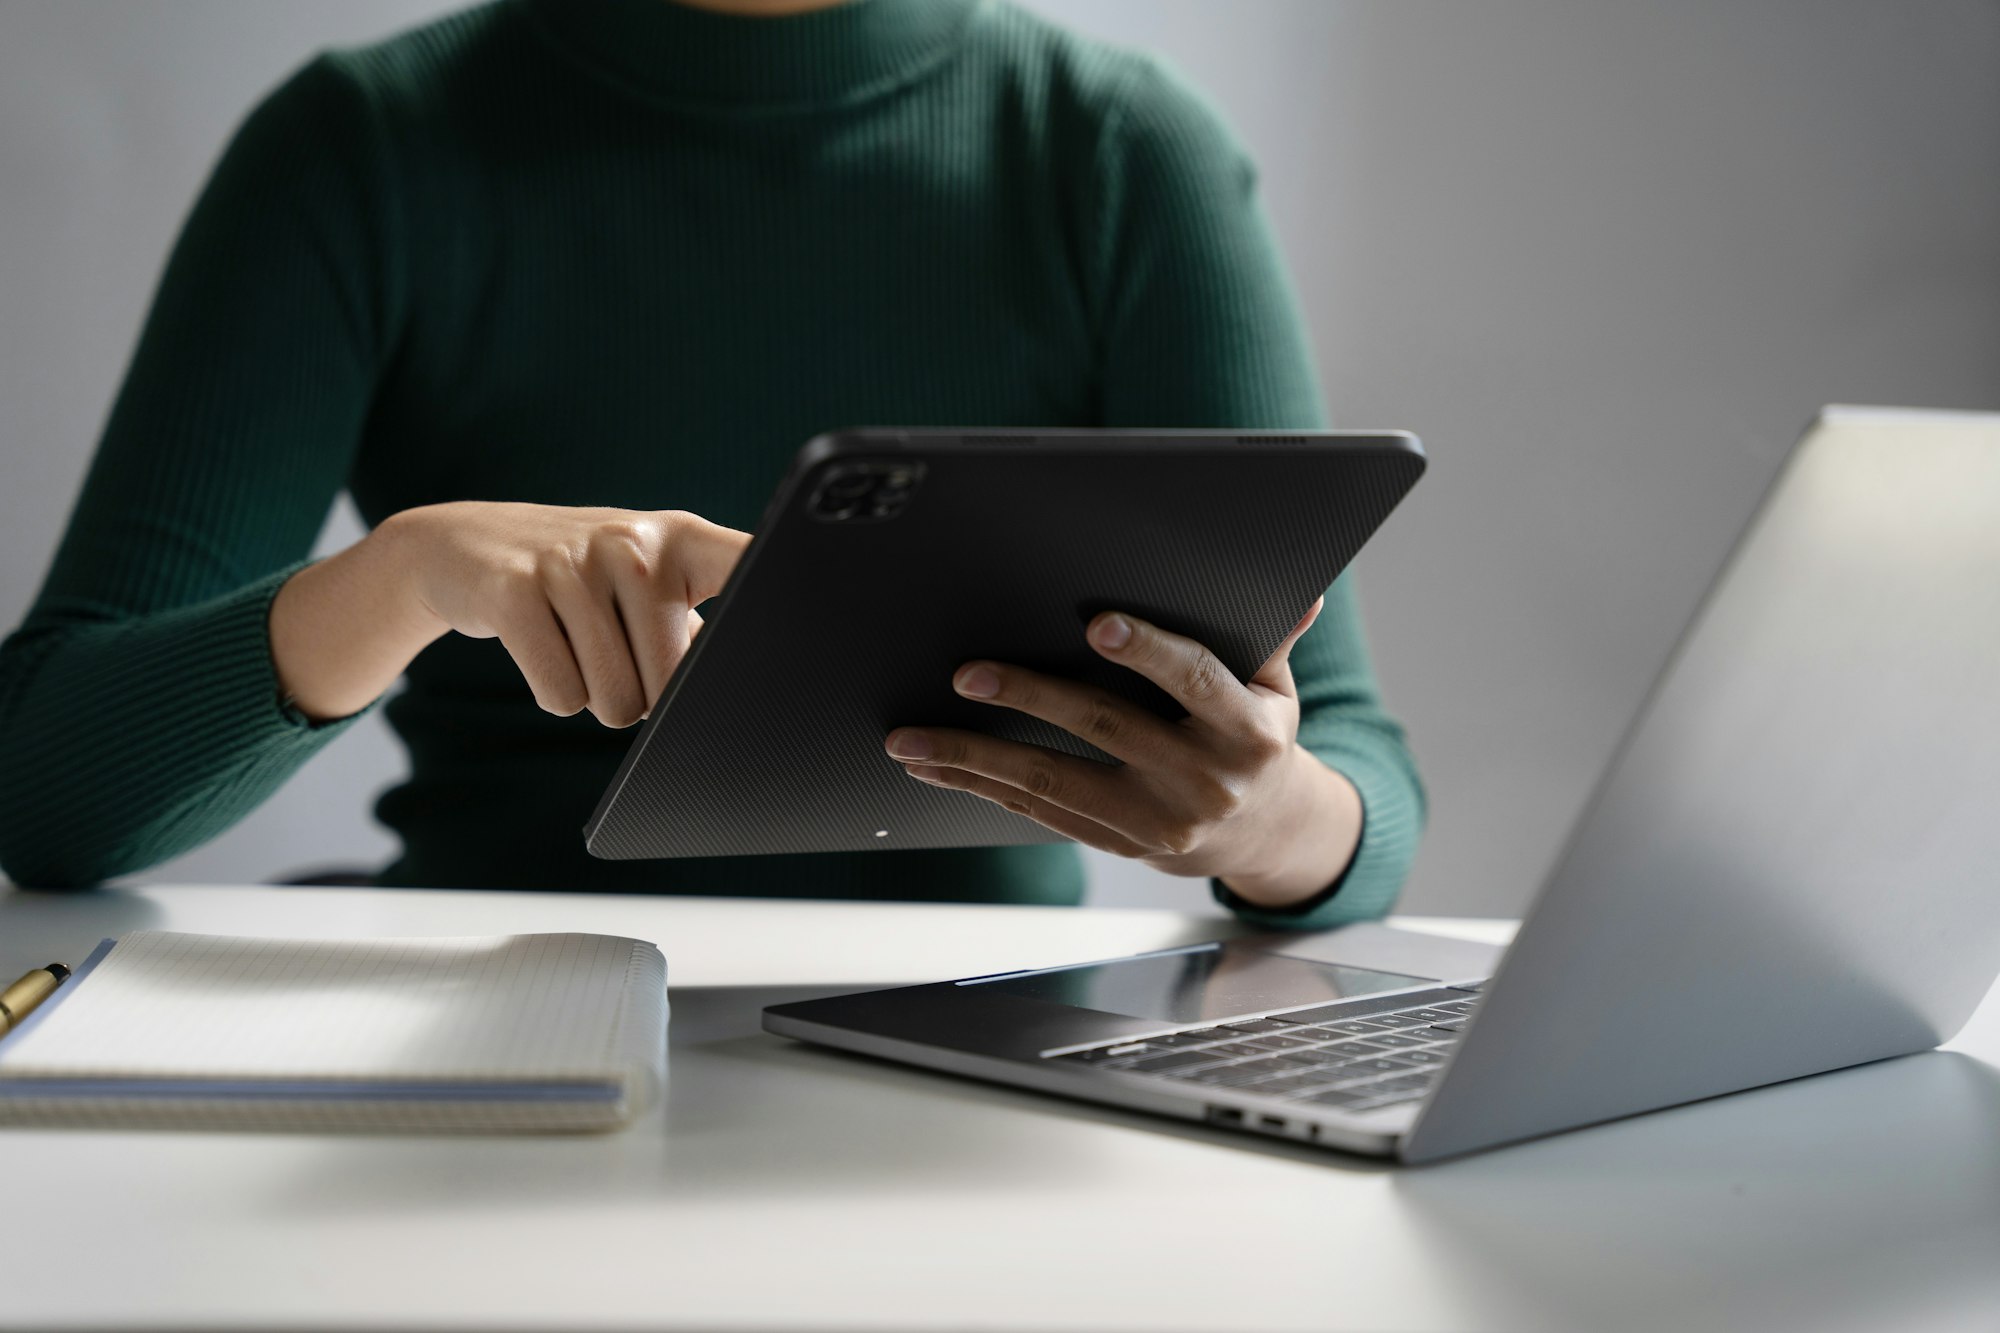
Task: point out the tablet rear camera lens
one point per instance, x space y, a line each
864 491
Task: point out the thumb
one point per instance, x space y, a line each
1276 673
694 624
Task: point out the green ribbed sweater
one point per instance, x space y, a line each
622 252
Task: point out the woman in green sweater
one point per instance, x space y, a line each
555 288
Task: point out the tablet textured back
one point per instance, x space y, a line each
839 625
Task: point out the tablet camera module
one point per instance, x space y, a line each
860 492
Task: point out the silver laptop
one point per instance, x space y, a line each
1791 865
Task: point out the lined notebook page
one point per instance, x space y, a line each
500 1008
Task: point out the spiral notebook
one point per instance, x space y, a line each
478 1033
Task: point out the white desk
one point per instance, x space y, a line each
786 1187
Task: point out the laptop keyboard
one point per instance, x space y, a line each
1314 1056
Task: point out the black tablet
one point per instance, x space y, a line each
889 558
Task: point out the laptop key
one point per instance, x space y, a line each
1355 1027
1366 1069
1217 1076
1236 1048
1347 1052
1154 1064
1099 1054
1258 1025
1385 1063
1324 1076
1337 1098
1177 1040
1192 1073
1385 1041
1350 1046
1394 1021
1274 1042
1422 1057
1268 1065
1246 1076
1288 1086
1227 1076
1429 1015
1420 1080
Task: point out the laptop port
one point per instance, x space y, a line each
1275 1123
1224 1115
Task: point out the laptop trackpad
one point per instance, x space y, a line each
1207 982
1387 949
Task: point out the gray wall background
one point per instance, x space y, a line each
1605 257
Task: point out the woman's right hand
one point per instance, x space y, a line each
596 606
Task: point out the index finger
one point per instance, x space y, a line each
704 552
1276 673
1187 670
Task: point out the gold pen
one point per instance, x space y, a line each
19 1000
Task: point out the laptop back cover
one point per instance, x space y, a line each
1788 866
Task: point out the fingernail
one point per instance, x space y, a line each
1112 632
923 775
978 682
910 745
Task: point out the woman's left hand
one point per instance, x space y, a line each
1226 791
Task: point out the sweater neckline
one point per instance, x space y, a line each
693 57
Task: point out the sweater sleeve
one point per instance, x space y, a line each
1199 328
139 709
